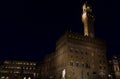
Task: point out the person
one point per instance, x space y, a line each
63 74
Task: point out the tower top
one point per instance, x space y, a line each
87 7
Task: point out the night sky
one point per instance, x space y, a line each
30 29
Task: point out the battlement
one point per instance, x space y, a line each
78 37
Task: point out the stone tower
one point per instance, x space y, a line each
78 56
83 57
88 20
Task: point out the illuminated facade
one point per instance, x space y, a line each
18 70
77 56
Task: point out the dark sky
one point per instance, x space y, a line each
30 29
